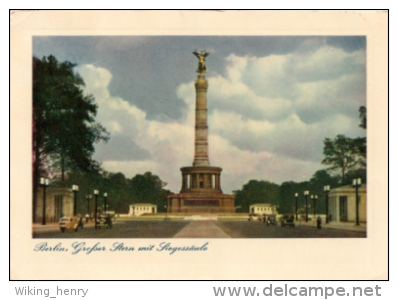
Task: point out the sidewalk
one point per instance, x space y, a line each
336 225
50 226
53 226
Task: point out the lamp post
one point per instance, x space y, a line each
296 197
326 189
44 182
88 198
75 189
306 193
166 212
356 183
314 198
105 196
95 209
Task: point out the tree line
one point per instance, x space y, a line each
121 191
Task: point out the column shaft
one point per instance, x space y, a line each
201 143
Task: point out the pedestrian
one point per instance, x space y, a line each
319 222
80 222
109 221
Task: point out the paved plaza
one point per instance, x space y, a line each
201 229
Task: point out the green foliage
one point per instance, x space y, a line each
284 195
63 118
287 201
340 153
148 188
122 192
362 116
354 174
346 154
360 150
257 192
64 129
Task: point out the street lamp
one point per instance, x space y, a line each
314 198
75 189
326 189
88 198
105 195
166 212
95 209
296 197
306 193
44 182
356 183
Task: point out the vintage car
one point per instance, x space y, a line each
68 223
254 217
104 220
287 220
270 219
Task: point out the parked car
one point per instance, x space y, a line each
104 220
287 220
254 217
271 220
68 223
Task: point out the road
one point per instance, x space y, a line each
197 229
260 230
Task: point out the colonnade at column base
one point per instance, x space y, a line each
201 203
201 192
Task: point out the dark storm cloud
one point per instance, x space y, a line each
347 43
147 70
121 148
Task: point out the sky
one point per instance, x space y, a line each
272 100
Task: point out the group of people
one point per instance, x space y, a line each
107 220
269 220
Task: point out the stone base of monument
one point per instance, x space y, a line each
201 203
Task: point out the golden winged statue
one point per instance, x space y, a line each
202 59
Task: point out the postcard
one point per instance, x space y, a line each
199 145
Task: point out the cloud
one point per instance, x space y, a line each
229 95
348 43
137 144
267 117
287 104
122 148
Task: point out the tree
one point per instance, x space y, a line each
340 153
287 191
360 143
346 154
354 174
122 192
257 192
360 150
64 128
148 188
362 116
318 181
